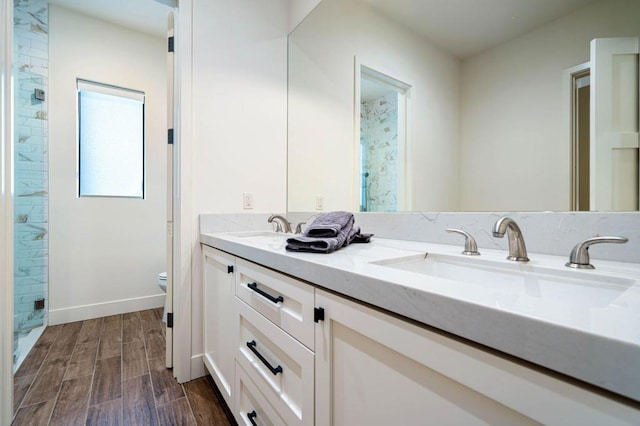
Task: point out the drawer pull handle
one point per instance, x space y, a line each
252 345
252 415
254 287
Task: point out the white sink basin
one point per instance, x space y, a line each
257 234
586 289
270 238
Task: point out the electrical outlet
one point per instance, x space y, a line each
319 202
247 200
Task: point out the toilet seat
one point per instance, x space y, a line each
162 281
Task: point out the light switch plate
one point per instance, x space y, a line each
247 200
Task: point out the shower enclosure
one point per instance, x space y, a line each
383 123
379 153
30 71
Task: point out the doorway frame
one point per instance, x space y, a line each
404 88
183 234
571 76
6 211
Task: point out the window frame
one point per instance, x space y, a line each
123 92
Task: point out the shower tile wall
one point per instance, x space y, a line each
379 136
31 58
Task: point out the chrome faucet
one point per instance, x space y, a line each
579 257
517 249
281 223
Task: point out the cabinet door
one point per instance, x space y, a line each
219 325
376 369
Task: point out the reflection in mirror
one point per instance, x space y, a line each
490 126
613 176
580 116
383 103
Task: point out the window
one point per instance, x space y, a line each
110 141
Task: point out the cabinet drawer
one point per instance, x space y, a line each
285 301
251 405
281 367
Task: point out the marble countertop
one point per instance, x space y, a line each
596 343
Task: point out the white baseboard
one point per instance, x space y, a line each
98 310
197 367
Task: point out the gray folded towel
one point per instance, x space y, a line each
324 245
328 225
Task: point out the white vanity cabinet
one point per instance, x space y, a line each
376 369
219 328
286 352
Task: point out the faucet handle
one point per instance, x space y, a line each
470 245
299 227
579 257
277 226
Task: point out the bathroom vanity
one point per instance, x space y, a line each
401 332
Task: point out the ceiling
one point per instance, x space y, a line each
147 16
468 27
463 27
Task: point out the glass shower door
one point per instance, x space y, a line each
30 174
30 215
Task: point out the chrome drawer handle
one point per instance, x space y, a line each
252 345
254 287
252 415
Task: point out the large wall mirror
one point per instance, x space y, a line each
467 105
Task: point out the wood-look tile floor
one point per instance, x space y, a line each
109 371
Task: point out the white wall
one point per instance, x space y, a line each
239 105
238 120
105 253
515 140
321 107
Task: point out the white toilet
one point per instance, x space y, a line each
162 283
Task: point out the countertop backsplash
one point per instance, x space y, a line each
544 232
